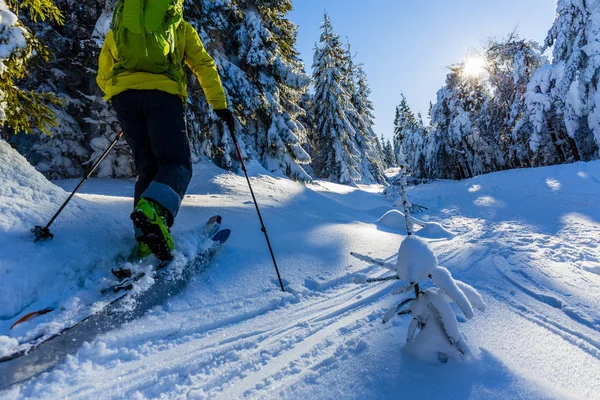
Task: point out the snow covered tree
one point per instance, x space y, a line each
209 138
575 36
344 143
363 119
84 123
390 154
433 333
24 110
561 105
446 154
264 80
379 148
413 147
461 142
510 65
266 42
409 133
338 158
404 122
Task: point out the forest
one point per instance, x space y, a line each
514 103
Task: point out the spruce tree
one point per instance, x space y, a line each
404 123
266 50
363 119
338 156
390 155
253 44
510 64
575 37
214 21
379 148
85 125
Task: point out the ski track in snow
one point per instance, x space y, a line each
222 361
528 240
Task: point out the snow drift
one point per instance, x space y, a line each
25 195
43 274
394 220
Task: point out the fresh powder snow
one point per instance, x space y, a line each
525 240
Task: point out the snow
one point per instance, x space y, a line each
21 186
443 279
394 220
532 254
415 261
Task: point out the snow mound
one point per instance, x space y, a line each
24 192
394 220
434 230
360 279
7 345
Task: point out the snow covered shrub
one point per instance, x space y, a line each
433 333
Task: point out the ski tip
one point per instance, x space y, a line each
221 236
32 315
215 219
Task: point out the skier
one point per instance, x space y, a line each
141 72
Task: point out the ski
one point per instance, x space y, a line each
118 291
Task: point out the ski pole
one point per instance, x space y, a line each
43 232
263 228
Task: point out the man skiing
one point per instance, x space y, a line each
141 72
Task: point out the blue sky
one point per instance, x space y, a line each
406 45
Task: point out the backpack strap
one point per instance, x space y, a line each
174 19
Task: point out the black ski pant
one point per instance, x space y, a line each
153 124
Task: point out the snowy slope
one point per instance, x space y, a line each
527 239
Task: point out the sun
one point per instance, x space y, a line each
474 67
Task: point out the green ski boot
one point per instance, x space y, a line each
139 252
147 216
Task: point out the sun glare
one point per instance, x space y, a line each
474 67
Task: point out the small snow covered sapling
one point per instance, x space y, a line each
433 333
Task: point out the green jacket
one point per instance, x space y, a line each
191 52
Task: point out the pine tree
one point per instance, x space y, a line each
575 36
266 49
405 122
264 80
24 110
523 111
390 155
379 148
461 142
85 124
510 65
335 150
209 138
363 120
